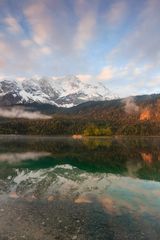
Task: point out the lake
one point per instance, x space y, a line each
90 188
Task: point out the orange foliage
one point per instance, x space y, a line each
145 115
147 157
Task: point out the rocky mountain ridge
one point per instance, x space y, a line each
62 92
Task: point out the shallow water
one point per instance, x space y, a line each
94 188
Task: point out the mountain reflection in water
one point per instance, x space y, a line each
122 175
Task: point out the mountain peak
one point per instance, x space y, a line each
60 91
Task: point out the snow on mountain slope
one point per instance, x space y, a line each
63 92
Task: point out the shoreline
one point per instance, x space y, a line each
77 138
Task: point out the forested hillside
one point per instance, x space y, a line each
130 116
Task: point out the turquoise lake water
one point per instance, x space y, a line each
113 182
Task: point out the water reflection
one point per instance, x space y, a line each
135 157
17 157
115 177
117 173
113 192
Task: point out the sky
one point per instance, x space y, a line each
116 42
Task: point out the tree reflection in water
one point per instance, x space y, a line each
108 178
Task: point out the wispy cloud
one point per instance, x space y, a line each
130 106
107 73
84 77
142 43
2 64
17 112
6 52
12 24
40 21
116 13
5 48
85 30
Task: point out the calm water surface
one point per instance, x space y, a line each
94 188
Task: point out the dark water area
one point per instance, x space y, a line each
92 188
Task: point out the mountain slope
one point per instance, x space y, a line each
62 92
130 116
131 109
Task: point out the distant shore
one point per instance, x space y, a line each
75 137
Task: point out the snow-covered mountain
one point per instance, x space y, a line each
62 92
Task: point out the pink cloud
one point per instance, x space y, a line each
85 30
40 22
116 14
12 24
